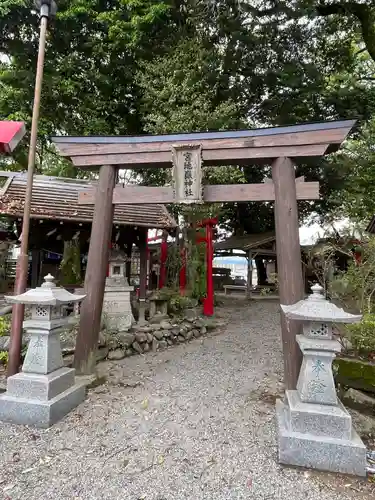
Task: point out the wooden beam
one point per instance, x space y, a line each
290 139
96 271
212 194
289 261
256 192
227 156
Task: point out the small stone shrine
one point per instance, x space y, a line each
158 308
45 390
117 311
315 430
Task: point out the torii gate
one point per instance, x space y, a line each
280 147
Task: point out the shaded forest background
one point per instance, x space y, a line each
150 66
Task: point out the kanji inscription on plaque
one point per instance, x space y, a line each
187 174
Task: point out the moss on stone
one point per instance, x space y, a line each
355 373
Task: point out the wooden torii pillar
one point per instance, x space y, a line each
276 146
96 273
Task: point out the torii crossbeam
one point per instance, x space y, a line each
281 147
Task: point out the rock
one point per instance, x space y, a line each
180 338
144 328
175 331
174 339
140 337
4 343
159 335
156 327
101 353
116 355
359 401
150 338
155 345
184 333
169 341
190 314
211 324
199 323
129 352
197 333
189 335
165 325
126 339
146 347
137 347
203 330
113 343
158 318
187 325
163 344
102 338
67 348
167 333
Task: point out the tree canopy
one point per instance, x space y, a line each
150 66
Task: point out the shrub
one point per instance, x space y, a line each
362 335
3 358
5 325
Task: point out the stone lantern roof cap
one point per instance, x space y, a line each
317 308
117 256
46 295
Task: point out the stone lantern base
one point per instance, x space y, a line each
318 436
117 311
40 400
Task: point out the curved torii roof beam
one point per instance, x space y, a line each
218 148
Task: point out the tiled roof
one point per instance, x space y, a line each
245 242
57 198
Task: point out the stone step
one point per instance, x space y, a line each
37 387
317 419
319 452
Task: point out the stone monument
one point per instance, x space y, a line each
314 428
45 390
117 311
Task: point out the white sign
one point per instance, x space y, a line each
187 174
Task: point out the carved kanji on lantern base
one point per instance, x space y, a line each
315 430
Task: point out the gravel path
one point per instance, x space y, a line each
194 422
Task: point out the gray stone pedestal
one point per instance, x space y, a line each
117 311
40 400
318 436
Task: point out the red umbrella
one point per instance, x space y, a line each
11 134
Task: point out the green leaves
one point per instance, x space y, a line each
136 66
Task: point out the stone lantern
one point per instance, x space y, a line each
117 311
315 430
45 390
